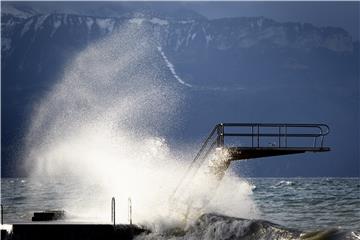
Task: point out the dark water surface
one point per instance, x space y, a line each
309 203
328 205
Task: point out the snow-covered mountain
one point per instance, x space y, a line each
221 34
185 40
208 57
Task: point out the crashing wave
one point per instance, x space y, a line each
220 227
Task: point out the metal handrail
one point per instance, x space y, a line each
256 134
282 133
196 158
205 143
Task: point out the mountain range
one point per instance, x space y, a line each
240 69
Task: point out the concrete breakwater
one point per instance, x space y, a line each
71 232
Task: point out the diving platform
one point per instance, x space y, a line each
257 140
244 153
228 142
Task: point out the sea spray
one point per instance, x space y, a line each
102 129
212 187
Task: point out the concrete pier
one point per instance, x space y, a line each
71 232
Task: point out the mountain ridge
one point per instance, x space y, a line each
240 32
261 61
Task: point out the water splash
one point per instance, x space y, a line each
102 127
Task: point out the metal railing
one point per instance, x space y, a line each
255 133
282 133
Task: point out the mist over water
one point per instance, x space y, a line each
102 127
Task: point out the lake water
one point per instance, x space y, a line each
299 205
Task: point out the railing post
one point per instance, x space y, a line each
322 137
279 136
315 142
2 214
322 141
258 135
130 211
220 132
113 210
252 136
285 135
